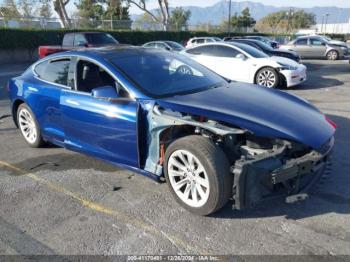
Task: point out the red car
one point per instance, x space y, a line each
72 41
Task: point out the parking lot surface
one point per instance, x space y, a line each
58 202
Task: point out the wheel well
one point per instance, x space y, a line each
15 106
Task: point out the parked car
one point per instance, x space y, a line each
267 49
166 45
73 41
159 114
243 63
317 47
201 40
264 39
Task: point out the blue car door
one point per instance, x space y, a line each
51 77
99 127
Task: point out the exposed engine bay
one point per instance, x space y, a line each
261 167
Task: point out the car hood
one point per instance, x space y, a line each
265 112
276 51
338 43
284 60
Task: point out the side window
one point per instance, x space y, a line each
54 71
223 51
161 46
90 76
79 40
301 41
316 42
201 50
200 41
209 40
68 40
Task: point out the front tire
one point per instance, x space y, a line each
198 174
267 77
332 55
29 126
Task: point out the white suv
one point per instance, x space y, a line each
201 40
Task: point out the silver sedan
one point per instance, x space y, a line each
317 47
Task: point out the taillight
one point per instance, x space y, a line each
334 125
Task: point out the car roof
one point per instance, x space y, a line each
109 52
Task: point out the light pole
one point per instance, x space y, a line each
290 14
229 18
325 27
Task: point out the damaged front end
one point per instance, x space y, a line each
285 169
262 168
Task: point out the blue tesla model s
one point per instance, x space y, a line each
165 116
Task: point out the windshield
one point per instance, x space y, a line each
251 51
264 46
175 45
101 39
163 74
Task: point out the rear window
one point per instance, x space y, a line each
54 71
100 39
68 40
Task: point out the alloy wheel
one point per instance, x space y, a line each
188 178
266 78
27 125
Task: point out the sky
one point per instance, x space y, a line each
294 3
203 3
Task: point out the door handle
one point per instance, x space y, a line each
72 102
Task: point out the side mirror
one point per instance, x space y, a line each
241 57
168 48
105 92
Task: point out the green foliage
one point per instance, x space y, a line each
116 10
240 23
45 9
286 21
179 19
9 10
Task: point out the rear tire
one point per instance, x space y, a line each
29 126
332 55
198 174
267 77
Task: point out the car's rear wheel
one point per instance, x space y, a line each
197 172
332 55
267 77
29 126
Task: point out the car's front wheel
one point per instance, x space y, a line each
197 172
29 126
267 77
332 55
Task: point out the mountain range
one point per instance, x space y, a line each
218 12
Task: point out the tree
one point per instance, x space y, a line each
60 9
116 10
27 8
179 18
9 10
164 15
241 22
89 9
45 9
245 20
286 21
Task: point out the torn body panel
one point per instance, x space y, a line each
160 119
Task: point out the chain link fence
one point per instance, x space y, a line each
55 23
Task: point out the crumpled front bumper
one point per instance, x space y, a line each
271 175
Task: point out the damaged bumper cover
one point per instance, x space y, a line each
273 175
